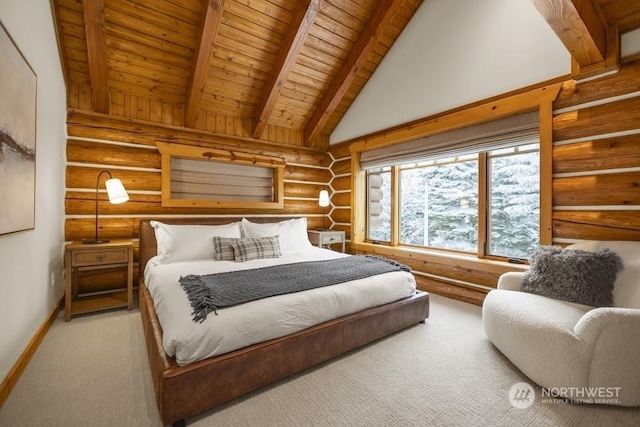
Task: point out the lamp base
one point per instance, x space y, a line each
94 241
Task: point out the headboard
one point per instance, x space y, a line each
148 245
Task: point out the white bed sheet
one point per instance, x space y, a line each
262 320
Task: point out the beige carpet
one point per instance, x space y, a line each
93 371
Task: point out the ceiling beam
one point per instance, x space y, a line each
578 25
96 50
305 15
210 24
376 24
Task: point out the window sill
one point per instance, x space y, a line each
413 251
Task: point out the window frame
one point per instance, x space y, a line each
484 180
435 163
487 238
539 97
170 150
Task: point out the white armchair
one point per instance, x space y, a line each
565 346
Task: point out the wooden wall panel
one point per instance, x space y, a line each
297 189
341 183
604 189
341 199
622 83
341 215
299 173
111 154
616 116
596 185
341 167
597 225
340 151
83 203
129 227
598 154
133 180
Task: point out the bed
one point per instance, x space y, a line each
183 391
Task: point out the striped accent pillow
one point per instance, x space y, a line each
256 248
223 248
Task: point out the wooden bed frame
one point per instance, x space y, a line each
183 391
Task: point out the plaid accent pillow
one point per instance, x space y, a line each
256 248
223 248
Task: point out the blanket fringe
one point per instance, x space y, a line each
198 297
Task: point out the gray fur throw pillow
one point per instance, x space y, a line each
573 275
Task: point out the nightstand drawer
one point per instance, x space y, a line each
103 256
325 238
331 238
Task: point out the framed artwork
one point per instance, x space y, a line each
17 138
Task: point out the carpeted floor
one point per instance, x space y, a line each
93 371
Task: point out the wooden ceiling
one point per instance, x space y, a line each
625 14
284 71
281 70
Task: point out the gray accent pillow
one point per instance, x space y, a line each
573 275
256 248
223 248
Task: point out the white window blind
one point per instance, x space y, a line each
498 134
208 180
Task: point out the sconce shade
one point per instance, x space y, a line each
323 199
116 192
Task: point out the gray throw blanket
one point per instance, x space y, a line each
210 292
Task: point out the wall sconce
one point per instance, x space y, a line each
116 193
323 201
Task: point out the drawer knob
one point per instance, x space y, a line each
100 257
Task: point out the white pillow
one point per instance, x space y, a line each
292 232
189 242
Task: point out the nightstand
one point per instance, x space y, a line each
324 239
79 256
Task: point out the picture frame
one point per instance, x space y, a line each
18 87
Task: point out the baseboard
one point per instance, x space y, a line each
21 364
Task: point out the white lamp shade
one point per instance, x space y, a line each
116 192
323 199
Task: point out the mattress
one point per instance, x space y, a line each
258 321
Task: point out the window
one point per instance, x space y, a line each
473 189
439 204
514 194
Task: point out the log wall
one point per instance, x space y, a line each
341 191
596 159
596 183
127 149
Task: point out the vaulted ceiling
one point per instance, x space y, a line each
284 71
279 66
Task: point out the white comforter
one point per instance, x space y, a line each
262 320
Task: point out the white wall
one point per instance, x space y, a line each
28 258
630 43
452 53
